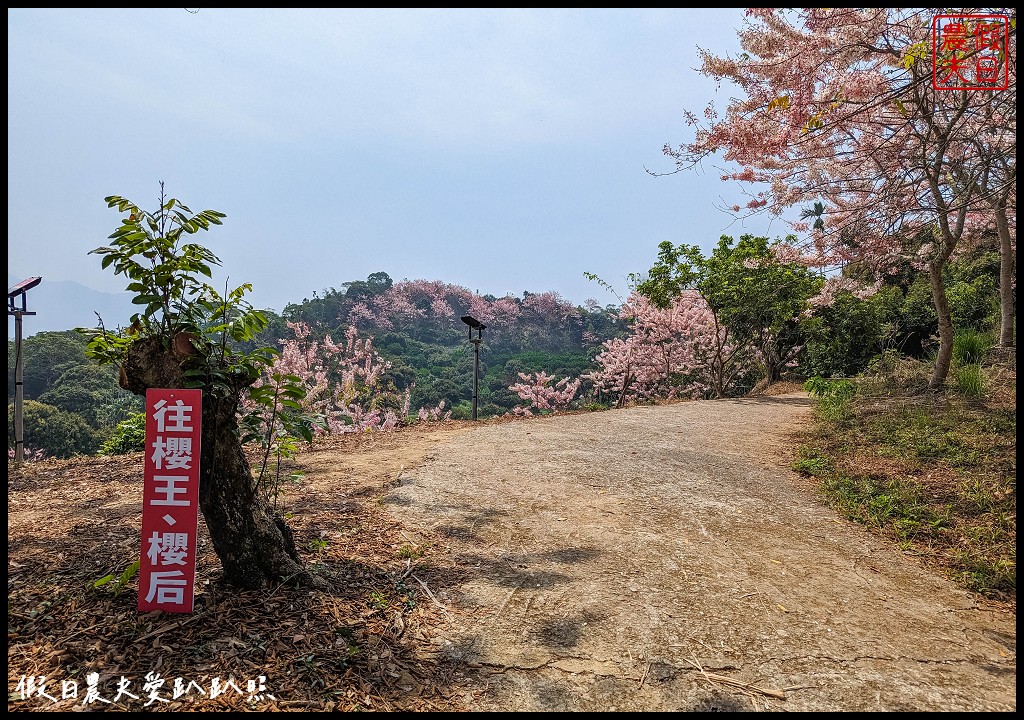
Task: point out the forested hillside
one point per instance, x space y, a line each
416 327
416 339
413 342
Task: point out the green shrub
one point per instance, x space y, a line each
970 346
833 396
842 337
128 437
823 388
973 304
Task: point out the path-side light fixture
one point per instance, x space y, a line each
16 307
475 324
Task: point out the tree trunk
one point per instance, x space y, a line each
1006 274
625 386
255 547
772 361
945 326
718 365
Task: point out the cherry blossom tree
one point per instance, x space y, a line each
434 414
758 299
344 384
837 112
678 350
541 395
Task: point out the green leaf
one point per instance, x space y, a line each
129 572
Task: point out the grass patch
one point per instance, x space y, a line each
944 433
970 346
935 475
970 380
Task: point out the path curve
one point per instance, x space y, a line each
665 558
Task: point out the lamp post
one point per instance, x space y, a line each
475 324
15 294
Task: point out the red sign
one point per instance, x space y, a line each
170 500
969 52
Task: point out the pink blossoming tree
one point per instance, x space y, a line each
676 351
541 396
327 387
836 111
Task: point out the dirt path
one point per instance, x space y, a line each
665 558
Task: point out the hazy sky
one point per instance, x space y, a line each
499 150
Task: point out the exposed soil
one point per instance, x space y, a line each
664 558
647 559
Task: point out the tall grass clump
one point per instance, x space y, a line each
970 380
834 397
970 346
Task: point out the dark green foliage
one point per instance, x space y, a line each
463 410
129 436
46 356
561 364
842 337
58 375
60 434
974 304
917 320
971 289
93 393
375 284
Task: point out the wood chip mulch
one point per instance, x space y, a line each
373 642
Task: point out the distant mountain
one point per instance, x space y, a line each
64 304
